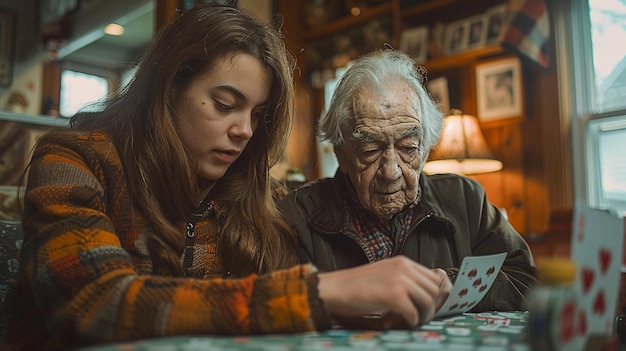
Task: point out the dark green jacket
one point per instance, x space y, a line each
455 220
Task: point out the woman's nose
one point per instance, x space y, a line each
242 128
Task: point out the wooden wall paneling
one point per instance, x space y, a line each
547 150
556 134
534 149
301 149
546 145
505 188
165 11
468 93
493 184
51 88
301 152
509 150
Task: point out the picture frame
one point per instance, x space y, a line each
499 89
456 37
495 18
51 11
476 31
7 46
438 89
414 42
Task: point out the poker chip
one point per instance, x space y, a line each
428 336
494 340
491 348
433 327
463 340
460 347
395 336
412 346
510 330
456 331
436 323
488 327
520 347
365 343
337 333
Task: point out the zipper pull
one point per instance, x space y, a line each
188 253
190 229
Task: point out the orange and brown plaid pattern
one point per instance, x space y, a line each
87 273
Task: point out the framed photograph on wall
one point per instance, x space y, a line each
476 31
456 37
7 46
499 89
438 89
414 42
495 19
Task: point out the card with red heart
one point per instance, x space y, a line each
475 277
597 243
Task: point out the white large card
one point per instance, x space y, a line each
476 275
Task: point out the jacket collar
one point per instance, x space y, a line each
334 216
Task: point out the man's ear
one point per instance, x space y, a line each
340 153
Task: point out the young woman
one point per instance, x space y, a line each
156 216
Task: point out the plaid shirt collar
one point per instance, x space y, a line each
380 239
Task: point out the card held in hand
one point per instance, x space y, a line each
475 277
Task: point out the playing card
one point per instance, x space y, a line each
475 277
597 243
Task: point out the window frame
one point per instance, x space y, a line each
577 89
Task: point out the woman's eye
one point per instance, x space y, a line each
224 107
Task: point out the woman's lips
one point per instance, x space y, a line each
228 156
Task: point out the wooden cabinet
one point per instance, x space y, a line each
533 147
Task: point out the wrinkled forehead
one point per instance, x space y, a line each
392 104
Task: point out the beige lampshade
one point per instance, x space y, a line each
462 148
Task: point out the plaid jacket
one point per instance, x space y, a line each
86 273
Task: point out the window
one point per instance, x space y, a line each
593 85
80 90
608 26
607 161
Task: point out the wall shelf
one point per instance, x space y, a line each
41 120
344 23
463 58
426 7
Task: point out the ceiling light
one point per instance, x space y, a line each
114 29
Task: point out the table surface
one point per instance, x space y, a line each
470 331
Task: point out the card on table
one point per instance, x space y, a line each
475 277
597 242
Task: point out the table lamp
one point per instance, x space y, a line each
462 148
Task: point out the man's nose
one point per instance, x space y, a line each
390 167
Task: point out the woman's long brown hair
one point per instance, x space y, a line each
165 185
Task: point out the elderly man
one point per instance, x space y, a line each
383 123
